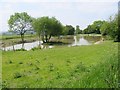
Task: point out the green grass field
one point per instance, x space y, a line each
94 66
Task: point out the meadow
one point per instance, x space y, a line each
92 66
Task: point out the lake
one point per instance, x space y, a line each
71 41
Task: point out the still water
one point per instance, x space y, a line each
74 41
81 41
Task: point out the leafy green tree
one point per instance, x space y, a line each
37 27
77 29
110 28
68 30
20 23
85 31
113 28
104 28
47 27
56 27
88 30
80 32
119 23
94 28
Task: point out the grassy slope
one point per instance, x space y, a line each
84 66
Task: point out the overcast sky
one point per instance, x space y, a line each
70 12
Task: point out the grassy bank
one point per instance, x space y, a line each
93 66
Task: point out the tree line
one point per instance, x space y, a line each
106 28
46 27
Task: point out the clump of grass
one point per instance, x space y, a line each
17 75
36 67
68 61
59 75
30 64
24 85
4 84
51 67
80 67
22 49
20 62
37 72
37 61
45 58
10 62
35 48
112 75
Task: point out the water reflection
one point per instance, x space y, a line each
27 46
80 41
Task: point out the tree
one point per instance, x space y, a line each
77 29
56 27
68 30
47 27
104 28
94 28
110 28
80 32
85 31
20 23
37 27
113 28
88 30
